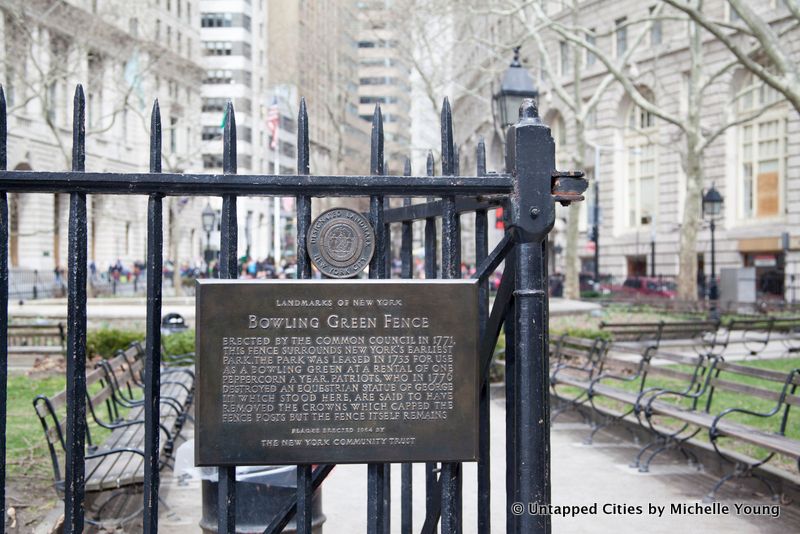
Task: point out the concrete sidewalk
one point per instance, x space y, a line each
582 475
135 310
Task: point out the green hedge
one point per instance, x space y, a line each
588 333
106 342
181 343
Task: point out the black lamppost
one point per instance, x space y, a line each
209 216
652 248
712 207
515 86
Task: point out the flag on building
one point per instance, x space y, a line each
273 121
224 119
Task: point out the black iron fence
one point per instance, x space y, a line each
527 191
32 284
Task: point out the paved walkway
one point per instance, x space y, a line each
134 309
582 475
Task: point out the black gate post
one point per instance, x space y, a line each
530 158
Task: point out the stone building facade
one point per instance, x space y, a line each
124 55
384 78
642 182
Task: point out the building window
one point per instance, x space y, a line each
655 30
762 152
212 133
563 49
641 179
218 48
219 76
212 161
173 134
621 34
94 97
214 104
591 39
220 20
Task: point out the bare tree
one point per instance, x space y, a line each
581 108
769 58
695 132
42 62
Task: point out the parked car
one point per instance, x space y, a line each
647 287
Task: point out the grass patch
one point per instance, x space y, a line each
27 449
28 456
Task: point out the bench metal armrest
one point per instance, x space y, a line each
119 424
687 394
561 366
638 375
713 428
609 376
781 400
139 422
637 406
169 401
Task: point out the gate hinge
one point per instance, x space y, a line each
568 186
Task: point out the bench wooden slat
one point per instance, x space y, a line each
776 442
757 372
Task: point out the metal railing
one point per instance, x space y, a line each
527 192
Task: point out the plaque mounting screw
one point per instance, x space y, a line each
534 213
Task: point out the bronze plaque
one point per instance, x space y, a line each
352 371
340 243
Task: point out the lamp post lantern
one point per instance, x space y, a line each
712 207
209 216
515 86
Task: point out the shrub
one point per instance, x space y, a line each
180 343
106 342
588 333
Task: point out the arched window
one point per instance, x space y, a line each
641 180
761 166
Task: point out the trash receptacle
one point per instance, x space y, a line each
261 492
172 323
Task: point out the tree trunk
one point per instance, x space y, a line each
572 267
692 216
174 239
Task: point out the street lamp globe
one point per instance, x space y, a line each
712 203
516 86
208 217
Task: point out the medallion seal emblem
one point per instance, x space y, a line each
341 243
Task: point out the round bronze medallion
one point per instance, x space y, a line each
341 243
